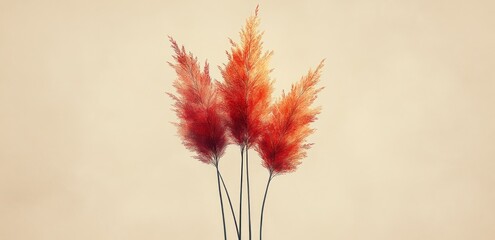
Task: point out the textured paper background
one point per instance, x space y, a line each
404 147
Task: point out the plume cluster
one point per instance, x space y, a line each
239 110
282 144
247 87
201 124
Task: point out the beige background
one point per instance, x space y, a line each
404 147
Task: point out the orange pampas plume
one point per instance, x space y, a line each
246 95
201 125
282 144
247 87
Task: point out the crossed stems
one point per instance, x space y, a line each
238 231
220 178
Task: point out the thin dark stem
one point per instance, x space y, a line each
263 205
230 204
248 194
221 203
240 193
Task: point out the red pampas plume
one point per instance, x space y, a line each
201 125
247 87
282 144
